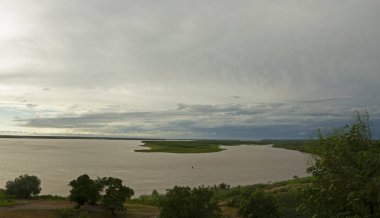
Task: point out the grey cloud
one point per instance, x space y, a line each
314 60
210 121
315 46
32 106
324 100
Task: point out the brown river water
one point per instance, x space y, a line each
57 161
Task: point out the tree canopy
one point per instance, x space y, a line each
24 186
85 190
184 202
347 173
115 194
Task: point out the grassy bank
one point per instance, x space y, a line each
198 146
207 146
307 146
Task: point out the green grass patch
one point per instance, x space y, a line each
6 202
207 146
307 146
197 146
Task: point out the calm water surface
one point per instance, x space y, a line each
58 161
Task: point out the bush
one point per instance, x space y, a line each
85 190
153 199
259 204
24 186
184 202
115 194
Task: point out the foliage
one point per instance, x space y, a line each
85 190
71 213
152 199
286 193
50 197
24 186
347 174
259 204
206 146
115 194
196 146
184 202
307 146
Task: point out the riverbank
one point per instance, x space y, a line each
285 192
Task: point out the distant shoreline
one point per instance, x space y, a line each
73 137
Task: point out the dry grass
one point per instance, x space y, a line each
28 214
47 209
229 212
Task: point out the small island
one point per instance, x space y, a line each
194 146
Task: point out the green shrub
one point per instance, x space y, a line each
347 174
85 190
152 199
24 186
184 202
259 205
115 194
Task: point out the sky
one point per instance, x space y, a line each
242 69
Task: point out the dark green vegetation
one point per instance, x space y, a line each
347 174
206 146
280 199
184 202
5 201
198 146
116 194
24 186
85 190
259 204
307 146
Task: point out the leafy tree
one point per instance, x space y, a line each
259 204
24 186
115 194
184 202
347 173
85 190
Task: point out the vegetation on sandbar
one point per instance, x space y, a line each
197 146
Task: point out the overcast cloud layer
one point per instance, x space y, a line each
187 69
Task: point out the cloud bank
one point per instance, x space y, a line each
187 68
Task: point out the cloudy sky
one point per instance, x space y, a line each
245 69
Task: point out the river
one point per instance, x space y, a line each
57 161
